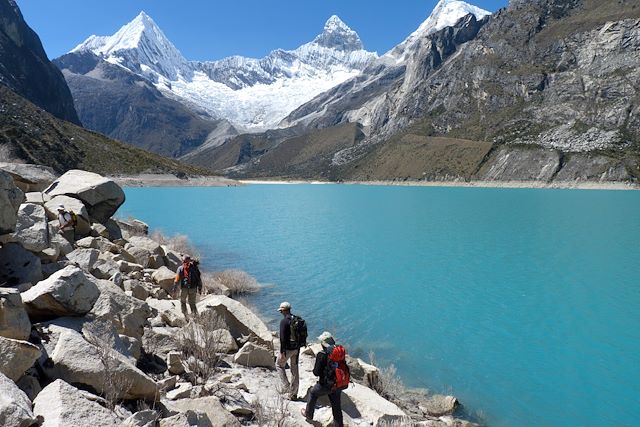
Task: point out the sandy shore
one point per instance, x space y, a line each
585 185
168 180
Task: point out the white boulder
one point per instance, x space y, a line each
217 415
62 405
10 199
15 406
84 258
253 355
164 278
77 361
30 177
32 228
146 418
126 313
66 292
239 319
438 405
16 357
373 406
14 321
102 196
179 420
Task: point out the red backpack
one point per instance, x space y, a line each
338 375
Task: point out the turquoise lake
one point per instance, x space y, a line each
524 303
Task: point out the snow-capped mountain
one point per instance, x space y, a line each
365 97
141 47
253 94
446 14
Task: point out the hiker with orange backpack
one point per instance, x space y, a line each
189 280
333 377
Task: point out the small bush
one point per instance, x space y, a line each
211 285
388 384
200 345
238 281
113 382
272 414
178 242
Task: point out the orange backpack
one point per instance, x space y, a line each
338 375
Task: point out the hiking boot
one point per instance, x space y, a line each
303 411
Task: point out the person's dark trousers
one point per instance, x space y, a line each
334 398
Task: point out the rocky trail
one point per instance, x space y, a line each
89 335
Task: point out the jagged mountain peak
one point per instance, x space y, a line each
446 14
338 35
129 36
142 47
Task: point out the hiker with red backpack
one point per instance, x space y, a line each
293 335
189 280
333 377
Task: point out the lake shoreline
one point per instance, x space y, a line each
584 185
168 180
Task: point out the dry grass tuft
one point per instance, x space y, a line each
112 380
272 413
388 384
237 281
200 345
178 242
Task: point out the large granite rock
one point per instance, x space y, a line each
164 278
168 311
147 243
67 292
439 405
77 361
84 258
128 314
253 355
100 243
15 407
83 227
32 228
62 405
16 357
30 177
217 415
10 199
239 319
18 265
161 340
102 196
140 255
14 321
373 406
146 418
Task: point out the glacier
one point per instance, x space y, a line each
256 94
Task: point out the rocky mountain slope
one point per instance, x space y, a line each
38 119
112 100
25 69
248 92
30 134
91 336
550 84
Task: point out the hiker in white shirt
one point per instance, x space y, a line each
67 229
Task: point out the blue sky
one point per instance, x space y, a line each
213 29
